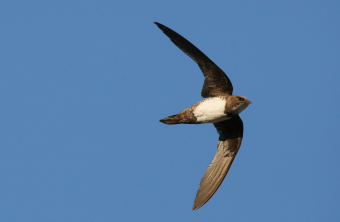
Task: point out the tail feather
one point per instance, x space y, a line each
170 120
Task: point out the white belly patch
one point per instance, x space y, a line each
211 110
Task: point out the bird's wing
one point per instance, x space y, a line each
231 133
216 82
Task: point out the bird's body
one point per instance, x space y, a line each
220 108
210 110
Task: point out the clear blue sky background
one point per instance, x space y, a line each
84 83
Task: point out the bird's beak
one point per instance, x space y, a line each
249 102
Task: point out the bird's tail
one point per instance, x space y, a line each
170 120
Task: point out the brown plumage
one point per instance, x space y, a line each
186 116
231 133
220 108
216 82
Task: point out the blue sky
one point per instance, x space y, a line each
84 83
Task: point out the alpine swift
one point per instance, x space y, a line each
219 107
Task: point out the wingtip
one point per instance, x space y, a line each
160 25
197 205
195 208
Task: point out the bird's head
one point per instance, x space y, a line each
236 104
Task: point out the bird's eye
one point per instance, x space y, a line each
240 98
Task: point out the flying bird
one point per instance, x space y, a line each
219 107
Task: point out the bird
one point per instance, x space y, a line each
219 107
